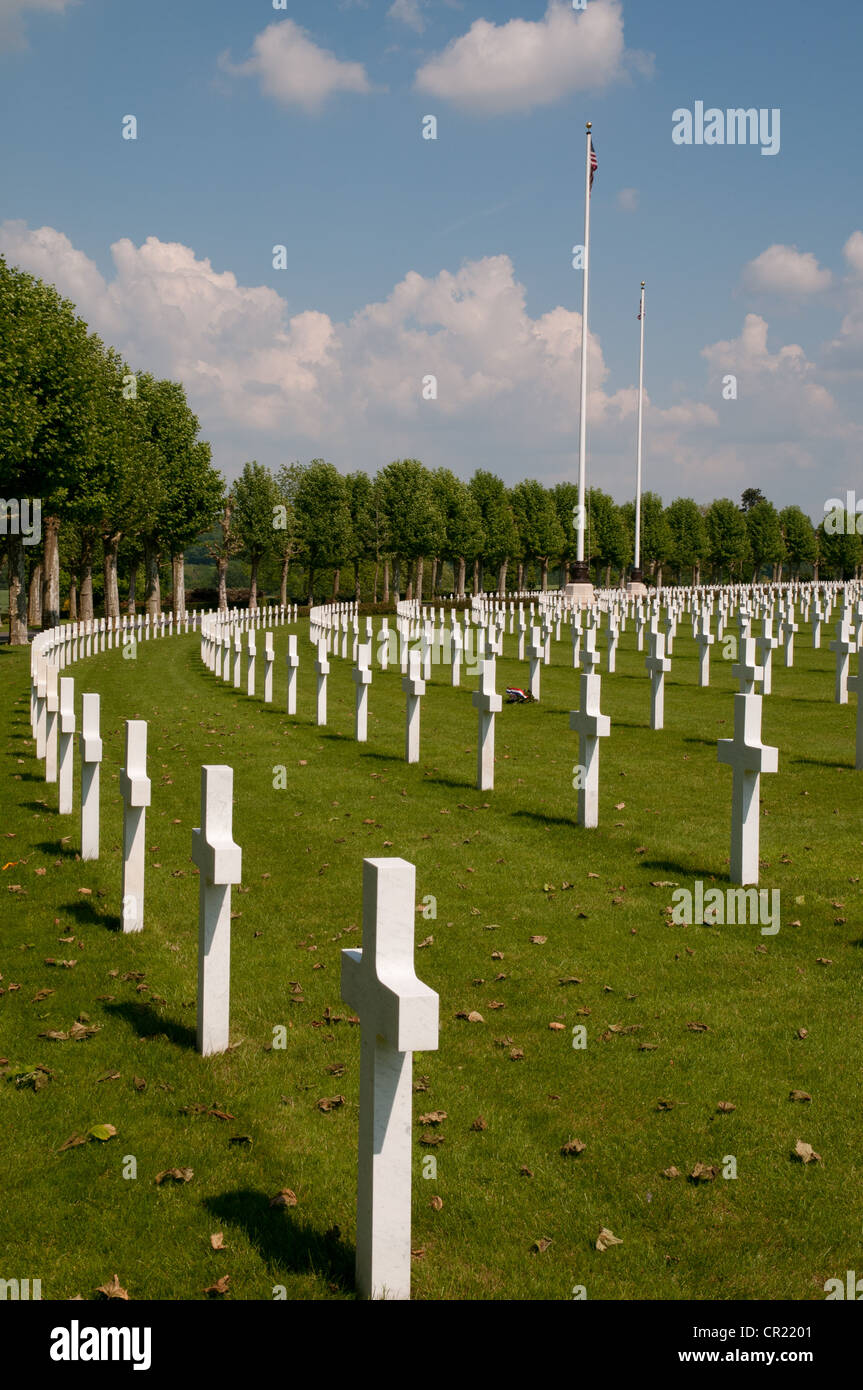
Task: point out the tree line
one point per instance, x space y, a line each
127 485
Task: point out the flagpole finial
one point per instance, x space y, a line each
642 284
588 125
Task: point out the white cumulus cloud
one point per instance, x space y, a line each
13 15
409 12
294 71
785 270
493 69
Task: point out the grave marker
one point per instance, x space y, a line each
748 757
135 791
219 860
398 1016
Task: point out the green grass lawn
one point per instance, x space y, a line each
503 867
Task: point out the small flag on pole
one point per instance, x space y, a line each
594 163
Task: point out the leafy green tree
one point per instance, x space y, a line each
565 497
607 543
498 525
801 546
414 522
840 552
464 537
361 500
286 529
688 534
750 498
655 535
323 517
766 546
45 395
226 545
176 469
256 500
727 545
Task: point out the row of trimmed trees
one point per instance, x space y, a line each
414 520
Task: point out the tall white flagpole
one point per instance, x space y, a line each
581 570
636 573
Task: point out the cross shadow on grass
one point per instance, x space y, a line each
147 1022
284 1241
823 762
57 847
675 866
542 819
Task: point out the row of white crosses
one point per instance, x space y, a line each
398 1013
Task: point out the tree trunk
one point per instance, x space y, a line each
520 578
337 580
311 584
73 597
544 572
357 579
178 584
223 584
18 635
386 596
86 577
34 612
51 592
420 574
152 591
283 581
436 566
459 579
397 577
375 584
501 578
476 576
409 591
110 545
253 588
133 588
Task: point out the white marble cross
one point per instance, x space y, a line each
855 684
522 630
657 664
135 790
591 726
535 653
612 640
67 745
456 650
746 669
250 670
322 670
488 703
219 860
704 640
52 720
238 658
765 646
788 627
292 661
398 1016
575 633
269 658
41 704
384 645
841 645
362 675
414 687
817 619
91 757
748 757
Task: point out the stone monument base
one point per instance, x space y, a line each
636 587
581 594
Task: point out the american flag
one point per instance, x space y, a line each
594 163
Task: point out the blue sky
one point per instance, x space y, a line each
406 257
